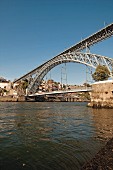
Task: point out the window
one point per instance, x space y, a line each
106 92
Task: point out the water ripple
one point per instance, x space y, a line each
52 136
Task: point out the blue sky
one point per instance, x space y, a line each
34 31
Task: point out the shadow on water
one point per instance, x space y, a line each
51 136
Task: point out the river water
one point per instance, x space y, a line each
51 135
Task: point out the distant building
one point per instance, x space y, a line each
4 84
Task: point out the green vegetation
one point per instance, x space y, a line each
24 84
101 73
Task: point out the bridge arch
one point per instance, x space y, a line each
35 76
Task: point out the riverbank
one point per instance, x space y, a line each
12 99
38 99
103 160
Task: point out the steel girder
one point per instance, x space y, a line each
35 77
70 55
101 35
87 42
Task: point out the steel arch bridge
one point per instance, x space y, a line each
35 77
71 55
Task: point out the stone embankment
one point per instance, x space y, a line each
12 99
102 94
103 160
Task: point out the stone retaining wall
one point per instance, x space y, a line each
102 94
12 99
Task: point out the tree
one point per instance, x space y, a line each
101 73
24 84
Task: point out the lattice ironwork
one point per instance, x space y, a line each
72 55
101 35
35 77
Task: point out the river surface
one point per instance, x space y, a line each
51 135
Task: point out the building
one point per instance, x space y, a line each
4 84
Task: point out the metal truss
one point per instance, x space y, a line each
35 76
101 35
72 55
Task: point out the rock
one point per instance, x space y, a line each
103 160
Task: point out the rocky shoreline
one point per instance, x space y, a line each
102 104
103 160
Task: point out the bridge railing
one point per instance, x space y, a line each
80 89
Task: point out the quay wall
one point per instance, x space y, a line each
102 94
12 99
